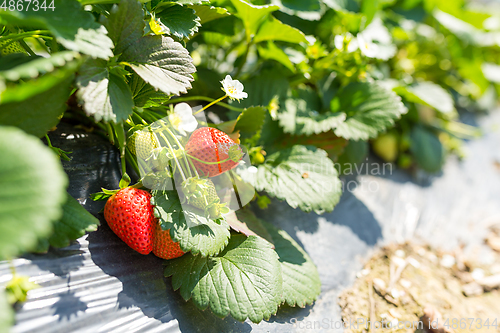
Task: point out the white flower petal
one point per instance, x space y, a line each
189 124
183 109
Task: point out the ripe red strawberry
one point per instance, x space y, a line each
163 246
213 146
129 214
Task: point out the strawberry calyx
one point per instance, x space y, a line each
215 210
235 153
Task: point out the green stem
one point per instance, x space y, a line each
210 104
48 141
194 168
182 148
181 167
203 98
244 61
205 162
173 154
27 48
26 34
110 133
132 161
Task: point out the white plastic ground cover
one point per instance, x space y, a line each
98 284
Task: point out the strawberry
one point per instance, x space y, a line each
207 192
213 152
201 193
163 246
129 214
141 144
8 46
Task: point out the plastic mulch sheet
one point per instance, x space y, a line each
98 284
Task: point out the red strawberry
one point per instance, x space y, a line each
129 214
213 146
163 246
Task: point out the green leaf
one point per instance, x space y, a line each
105 96
161 62
301 283
370 109
6 313
299 114
355 152
125 24
327 141
15 59
38 113
430 94
26 89
263 88
275 53
72 26
145 96
191 2
343 5
207 238
250 121
209 13
370 8
245 222
181 22
74 223
272 29
252 16
303 176
32 188
244 281
428 151
32 69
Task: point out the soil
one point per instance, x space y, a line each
409 286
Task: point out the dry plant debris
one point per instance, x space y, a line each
403 288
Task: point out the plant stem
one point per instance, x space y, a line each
210 104
48 141
27 34
244 61
26 48
180 147
132 161
203 98
173 154
110 133
205 162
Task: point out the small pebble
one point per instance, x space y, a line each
400 253
477 274
448 261
405 283
414 262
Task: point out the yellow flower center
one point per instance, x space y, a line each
232 90
175 120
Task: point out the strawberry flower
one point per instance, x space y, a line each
233 88
367 46
182 119
346 42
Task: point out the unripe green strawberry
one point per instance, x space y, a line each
386 147
163 245
209 193
219 152
142 143
7 46
129 214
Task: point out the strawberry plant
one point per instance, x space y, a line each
215 104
